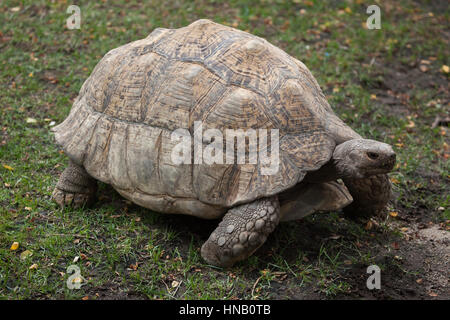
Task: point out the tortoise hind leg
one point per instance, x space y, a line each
75 187
242 231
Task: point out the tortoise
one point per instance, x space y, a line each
120 131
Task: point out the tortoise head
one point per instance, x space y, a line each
361 158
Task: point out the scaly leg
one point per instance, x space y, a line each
242 231
370 196
75 187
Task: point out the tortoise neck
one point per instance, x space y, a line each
328 172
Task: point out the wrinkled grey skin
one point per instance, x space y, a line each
356 159
362 158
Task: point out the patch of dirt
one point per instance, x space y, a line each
394 83
113 291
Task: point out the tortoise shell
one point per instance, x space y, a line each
120 125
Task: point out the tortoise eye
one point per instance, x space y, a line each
372 155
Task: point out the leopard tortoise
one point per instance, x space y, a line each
120 131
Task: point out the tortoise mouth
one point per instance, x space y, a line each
388 165
384 167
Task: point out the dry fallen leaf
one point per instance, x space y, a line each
411 124
30 120
14 246
433 294
33 266
133 266
393 214
445 69
8 167
26 254
423 68
394 180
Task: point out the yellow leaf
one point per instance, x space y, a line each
445 69
33 266
14 246
348 10
393 214
8 167
394 180
373 97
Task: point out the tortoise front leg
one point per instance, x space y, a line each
242 231
75 187
370 196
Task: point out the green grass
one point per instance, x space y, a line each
127 251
